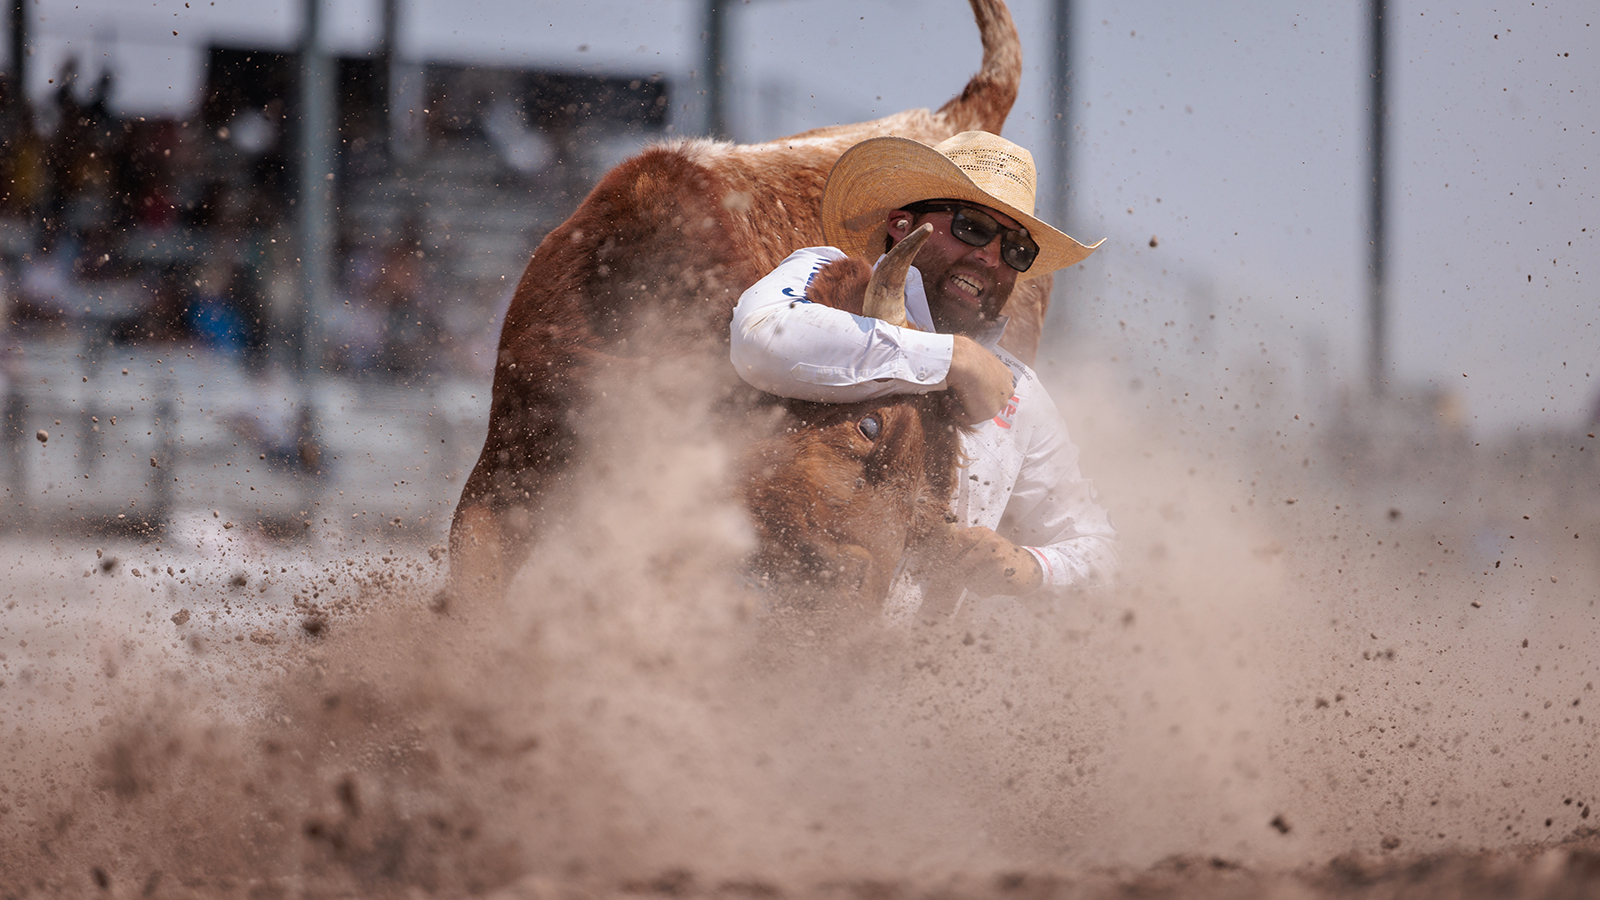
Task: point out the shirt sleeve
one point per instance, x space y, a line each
1054 512
784 344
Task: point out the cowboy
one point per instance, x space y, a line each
1030 519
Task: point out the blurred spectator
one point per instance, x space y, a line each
213 315
47 291
77 158
385 327
398 294
235 237
270 169
145 182
99 255
22 153
354 327
142 229
163 321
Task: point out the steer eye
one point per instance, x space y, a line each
870 427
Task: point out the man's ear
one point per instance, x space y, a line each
899 223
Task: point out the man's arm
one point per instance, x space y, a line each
1027 486
786 341
983 562
1053 513
1079 550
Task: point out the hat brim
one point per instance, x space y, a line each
880 175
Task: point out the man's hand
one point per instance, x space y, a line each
985 563
978 381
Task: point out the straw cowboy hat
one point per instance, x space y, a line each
878 176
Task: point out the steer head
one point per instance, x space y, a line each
843 491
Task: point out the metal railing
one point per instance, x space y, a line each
128 439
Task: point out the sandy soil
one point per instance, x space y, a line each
1308 684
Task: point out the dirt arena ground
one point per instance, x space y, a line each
1324 674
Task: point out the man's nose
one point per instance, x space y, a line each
989 254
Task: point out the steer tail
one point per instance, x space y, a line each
986 100
981 106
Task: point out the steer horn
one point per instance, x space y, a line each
886 291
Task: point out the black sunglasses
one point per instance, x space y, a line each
973 226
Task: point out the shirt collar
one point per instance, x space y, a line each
989 335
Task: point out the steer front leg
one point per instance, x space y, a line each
511 490
477 555
502 511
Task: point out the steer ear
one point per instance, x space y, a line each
886 292
841 284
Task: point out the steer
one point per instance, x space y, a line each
652 263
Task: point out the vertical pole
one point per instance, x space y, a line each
315 204
19 50
314 200
1061 125
716 69
1061 119
164 473
13 427
1378 110
387 74
403 87
16 441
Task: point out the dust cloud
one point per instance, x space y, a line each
1316 674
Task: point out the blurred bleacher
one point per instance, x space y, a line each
121 414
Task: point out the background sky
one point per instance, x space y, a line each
1231 135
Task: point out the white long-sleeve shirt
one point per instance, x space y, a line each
1023 480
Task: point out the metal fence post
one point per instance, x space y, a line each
16 441
165 462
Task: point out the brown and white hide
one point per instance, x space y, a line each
651 264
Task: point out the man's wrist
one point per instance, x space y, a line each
1037 571
932 355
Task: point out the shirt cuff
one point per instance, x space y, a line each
1045 568
918 360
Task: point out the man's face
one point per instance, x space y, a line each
967 286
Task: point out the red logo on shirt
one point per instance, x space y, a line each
1007 414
